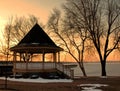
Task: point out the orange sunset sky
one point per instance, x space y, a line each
39 8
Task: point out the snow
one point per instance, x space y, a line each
103 77
92 87
38 80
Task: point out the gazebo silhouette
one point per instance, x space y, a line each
37 41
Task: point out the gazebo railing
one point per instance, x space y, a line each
64 69
47 66
34 65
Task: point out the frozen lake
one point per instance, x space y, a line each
94 69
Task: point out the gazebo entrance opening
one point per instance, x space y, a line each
45 57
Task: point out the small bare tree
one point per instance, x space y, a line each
72 36
7 39
21 26
15 30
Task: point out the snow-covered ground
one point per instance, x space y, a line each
38 80
84 87
91 87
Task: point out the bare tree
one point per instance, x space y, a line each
15 30
100 18
72 37
21 26
7 37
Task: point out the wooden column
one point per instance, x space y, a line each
14 63
31 55
54 59
43 59
26 61
58 57
20 57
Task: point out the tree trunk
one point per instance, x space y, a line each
103 67
84 73
83 70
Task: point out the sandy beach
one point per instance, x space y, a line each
78 84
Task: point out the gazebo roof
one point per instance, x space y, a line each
36 41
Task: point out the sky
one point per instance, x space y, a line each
39 8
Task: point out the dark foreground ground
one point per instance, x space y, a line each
112 82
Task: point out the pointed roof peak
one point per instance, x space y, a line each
37 36
36 25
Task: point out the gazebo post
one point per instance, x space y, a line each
31 55
20 57
54 58
26 60
14 63
58 57
43 59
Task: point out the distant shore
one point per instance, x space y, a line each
109 84
85 61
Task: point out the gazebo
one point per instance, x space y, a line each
37 41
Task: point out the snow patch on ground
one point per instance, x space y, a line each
103 77
92 87
38 80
